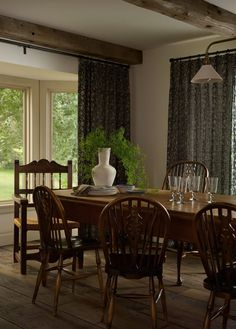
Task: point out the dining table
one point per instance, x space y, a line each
86 209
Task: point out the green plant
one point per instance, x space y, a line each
129 154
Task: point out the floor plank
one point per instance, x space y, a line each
186 304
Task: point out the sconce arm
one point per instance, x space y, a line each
206 59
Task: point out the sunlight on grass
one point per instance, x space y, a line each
6 184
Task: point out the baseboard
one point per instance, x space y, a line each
6 239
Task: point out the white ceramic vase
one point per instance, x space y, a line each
103 174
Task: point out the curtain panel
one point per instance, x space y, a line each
200 121
103 101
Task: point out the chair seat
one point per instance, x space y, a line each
32 224
85 243
124 265
78 244
220 285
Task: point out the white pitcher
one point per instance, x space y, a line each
103 174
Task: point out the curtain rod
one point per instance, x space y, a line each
26 45
203 55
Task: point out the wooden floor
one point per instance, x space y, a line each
186 304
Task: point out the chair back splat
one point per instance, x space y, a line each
215 227
133 233
53 227
55 240
187 168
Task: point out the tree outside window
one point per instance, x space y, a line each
65 140
11 137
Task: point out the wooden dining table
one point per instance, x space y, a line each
87 209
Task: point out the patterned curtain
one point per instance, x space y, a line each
200 125
103 101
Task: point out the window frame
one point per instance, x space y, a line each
30 114
30 119
47 87
37 140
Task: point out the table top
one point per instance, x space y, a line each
188 207
86 209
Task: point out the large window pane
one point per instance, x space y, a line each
65 141
11 137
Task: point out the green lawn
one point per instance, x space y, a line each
6 184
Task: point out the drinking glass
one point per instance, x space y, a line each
173 185
211 187
182 188
194 186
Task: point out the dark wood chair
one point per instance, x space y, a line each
56 242
26 178
133 233
215 227
184 168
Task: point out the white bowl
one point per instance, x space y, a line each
125 188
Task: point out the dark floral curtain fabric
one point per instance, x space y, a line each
201 122
103 101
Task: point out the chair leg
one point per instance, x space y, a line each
111 301
16 243
210 306
226 312
106 297
153 302
99 270
74 263
58 285
38 281
163 299
81 259
23 251
45 273
180 249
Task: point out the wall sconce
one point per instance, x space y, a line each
207 73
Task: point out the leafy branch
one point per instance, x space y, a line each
129 154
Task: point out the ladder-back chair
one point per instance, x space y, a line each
26 178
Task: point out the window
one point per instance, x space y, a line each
58 122
19 131
12 109
38 119
64 129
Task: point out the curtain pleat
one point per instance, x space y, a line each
200 118
103 101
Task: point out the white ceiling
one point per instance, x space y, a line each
113 21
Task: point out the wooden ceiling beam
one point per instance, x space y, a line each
39 35
197 12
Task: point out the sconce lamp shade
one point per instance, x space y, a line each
206 74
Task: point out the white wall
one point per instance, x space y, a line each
149 92
34 65
150 96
